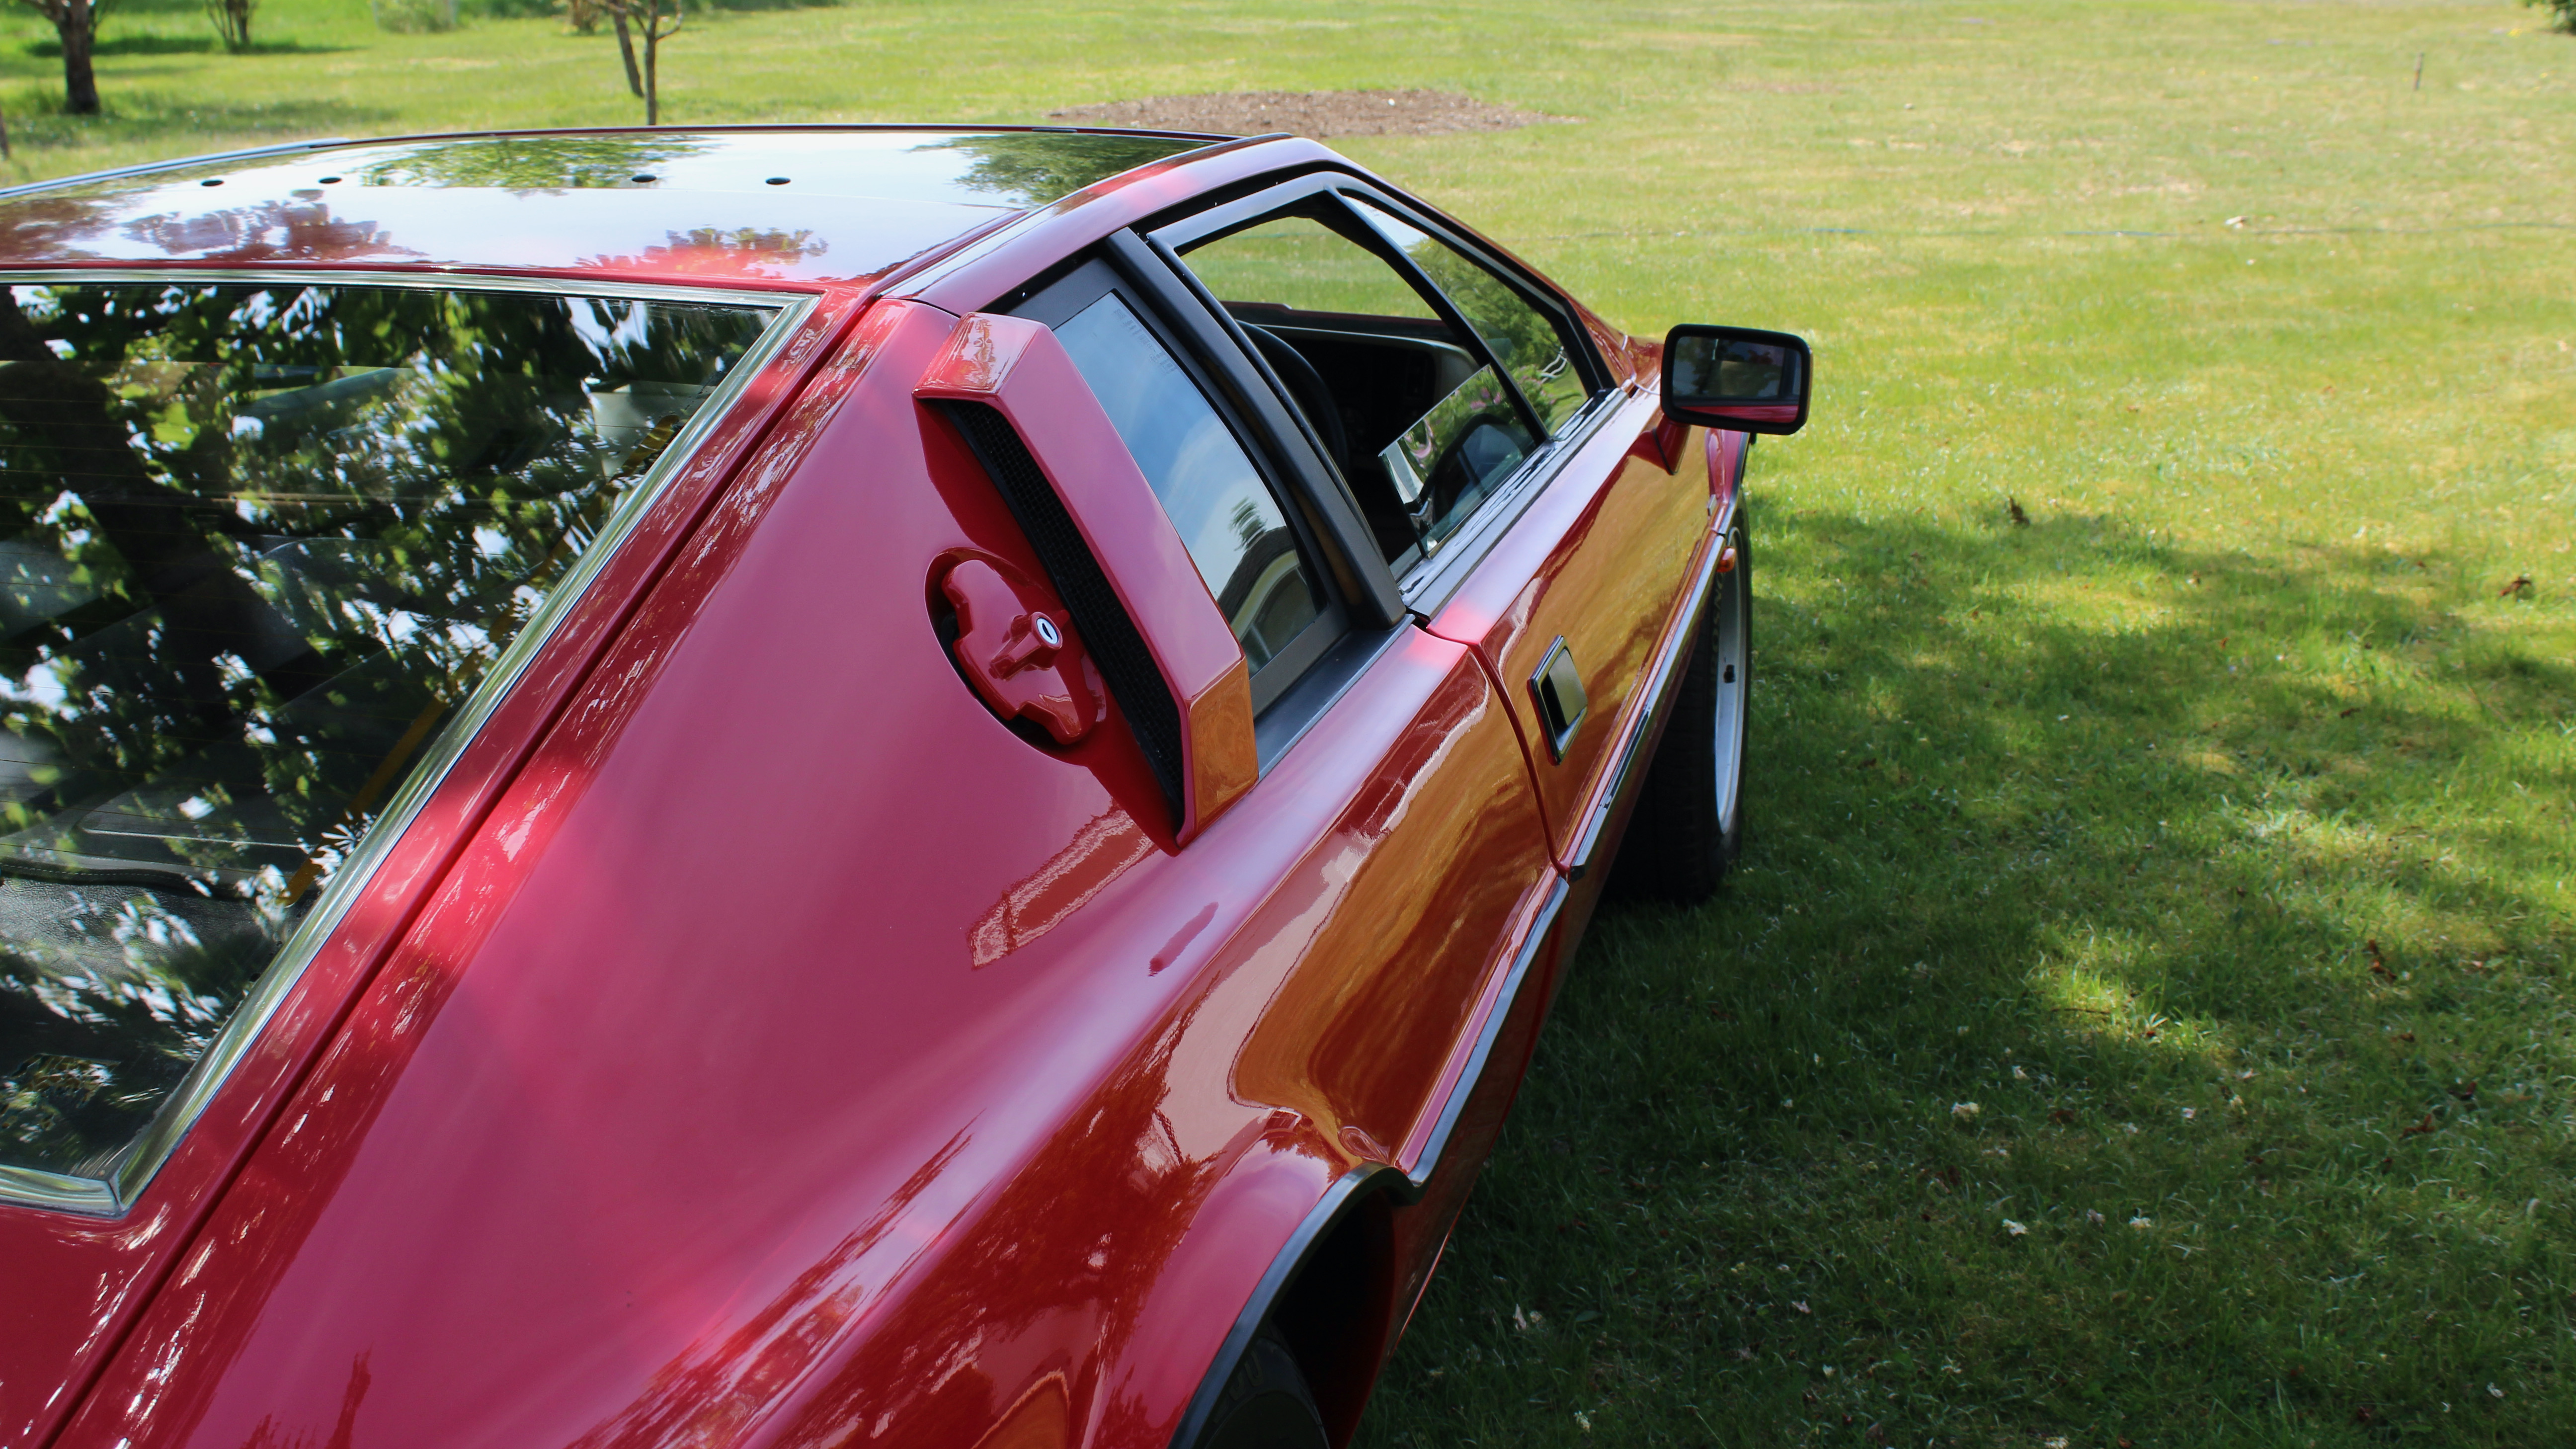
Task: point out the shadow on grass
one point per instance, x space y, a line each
157 44
2115 1031
37 121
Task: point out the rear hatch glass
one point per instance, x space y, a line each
259 544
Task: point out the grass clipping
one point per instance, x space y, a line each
1309 113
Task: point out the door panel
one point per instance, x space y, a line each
1598 560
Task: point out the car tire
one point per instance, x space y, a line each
1265 1404
1688 827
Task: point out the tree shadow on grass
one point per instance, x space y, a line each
2114 1031
154 43
142 116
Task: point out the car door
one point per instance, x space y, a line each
1438 844
1521 502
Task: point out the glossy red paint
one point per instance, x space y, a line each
977 273
1756 412
758 1042
1017 646
1597 560
808 1192
1726 453
1018 367
76 1283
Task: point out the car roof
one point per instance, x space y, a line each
727 204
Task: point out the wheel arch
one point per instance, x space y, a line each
1336 1273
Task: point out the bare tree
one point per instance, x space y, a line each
76 21
626 49
232 22
659 20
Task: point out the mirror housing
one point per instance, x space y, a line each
1737 378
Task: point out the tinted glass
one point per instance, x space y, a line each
256 544
1456 455
1216 500
1525 340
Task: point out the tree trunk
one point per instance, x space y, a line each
78 26
652 72
626 51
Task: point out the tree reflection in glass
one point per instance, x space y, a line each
256 544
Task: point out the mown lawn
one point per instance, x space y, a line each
2143 1015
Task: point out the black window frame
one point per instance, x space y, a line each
1066 295
1430 579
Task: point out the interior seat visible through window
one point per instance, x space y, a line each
1406 402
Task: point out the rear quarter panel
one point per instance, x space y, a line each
795 1054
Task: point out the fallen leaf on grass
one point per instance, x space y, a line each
1801 1306
2520 586
2062 1116
2014 1228
2427 1125
2347 714
2021 519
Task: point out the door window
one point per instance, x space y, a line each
1215 498
1406 405
1531 345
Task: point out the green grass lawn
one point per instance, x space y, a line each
2144 1012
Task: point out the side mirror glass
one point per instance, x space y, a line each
1736 377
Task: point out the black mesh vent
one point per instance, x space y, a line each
1125 663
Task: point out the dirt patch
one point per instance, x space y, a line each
1309 113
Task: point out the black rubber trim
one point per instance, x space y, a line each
1354 1186
1126 664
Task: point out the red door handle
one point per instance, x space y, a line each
1016 645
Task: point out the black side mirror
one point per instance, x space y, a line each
1735 377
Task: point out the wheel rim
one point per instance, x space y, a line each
1734 682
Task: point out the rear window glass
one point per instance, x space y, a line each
257 545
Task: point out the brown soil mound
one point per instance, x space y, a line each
1308 113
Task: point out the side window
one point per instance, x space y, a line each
1406 406
1216 499
1531 345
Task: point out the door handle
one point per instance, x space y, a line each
1557 686
1016 645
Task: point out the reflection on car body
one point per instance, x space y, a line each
791 785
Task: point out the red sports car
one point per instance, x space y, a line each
806 786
